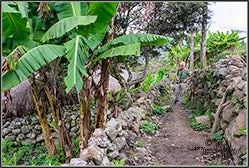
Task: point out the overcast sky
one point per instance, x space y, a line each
229 15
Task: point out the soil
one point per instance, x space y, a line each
176 143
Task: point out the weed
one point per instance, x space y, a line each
149 127
198 126
158 110
242 132
120 162
140 144
147 118
217 137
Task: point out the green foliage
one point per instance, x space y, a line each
243 132
230 95
198 126
31 62
120 162
220 41
140 144
149 127
33 155
147 118
217 137
158 110
76 150
65 25
148 82
77 55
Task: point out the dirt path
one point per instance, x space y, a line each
176 143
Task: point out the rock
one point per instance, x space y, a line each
120 142
204 120
6 124
237 145
28 141
38 127
99 132
227 112
21 136
223 71
111 133
142 151
123 133
10 137
77 162
84 155
122 122
25 129
244 75
74 129
114 124
135 128
242 84
12 125
122 156
73 123
5 131
31 135
16 131
96 154
235 71
112 151
72 134
101 141
131 135
39 138
106 161
67 125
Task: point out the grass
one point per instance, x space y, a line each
157 110
139 144
120 162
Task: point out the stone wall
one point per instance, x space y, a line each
206 91
104 145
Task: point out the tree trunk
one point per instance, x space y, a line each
49 140
102 94
191 68
64 138
85 114
203 35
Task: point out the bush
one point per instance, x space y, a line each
149 127
157 110
28 154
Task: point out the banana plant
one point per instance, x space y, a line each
85 34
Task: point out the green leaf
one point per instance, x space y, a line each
14 26
94 40
105 11
76 55
31 62
13 43
144 39
65 25
7 9
10 79
125 50
22 6
39 28
67 9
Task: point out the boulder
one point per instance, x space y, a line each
120 142
227 112
204 120
77 162
111 133
101 141
112 151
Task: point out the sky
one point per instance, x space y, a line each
229 15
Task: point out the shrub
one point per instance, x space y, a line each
149 127
217 137
158 110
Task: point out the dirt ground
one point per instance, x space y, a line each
176 143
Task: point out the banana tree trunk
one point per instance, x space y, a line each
102 95
85 114
64 138
49 140
203 33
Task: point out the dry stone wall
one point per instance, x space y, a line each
206 91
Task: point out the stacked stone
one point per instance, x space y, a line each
207 89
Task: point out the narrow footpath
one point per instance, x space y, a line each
176 143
